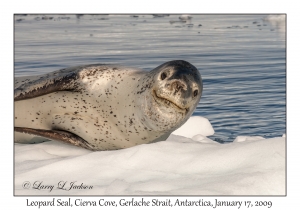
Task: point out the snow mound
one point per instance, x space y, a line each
247 138
195 125
181 165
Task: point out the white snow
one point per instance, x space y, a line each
247 138
185 17
277 21
187 163
195 125
275 18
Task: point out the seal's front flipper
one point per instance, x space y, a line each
62 136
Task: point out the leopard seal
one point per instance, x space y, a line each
106 107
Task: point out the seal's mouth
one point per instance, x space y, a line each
168 103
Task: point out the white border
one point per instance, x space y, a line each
153 6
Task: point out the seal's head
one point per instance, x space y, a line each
175 91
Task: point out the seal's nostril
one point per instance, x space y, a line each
178 86
196 93
163 76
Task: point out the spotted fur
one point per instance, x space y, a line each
106 107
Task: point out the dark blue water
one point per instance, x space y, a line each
242 58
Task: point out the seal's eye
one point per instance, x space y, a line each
195 93
163 76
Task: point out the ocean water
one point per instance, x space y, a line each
242 58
